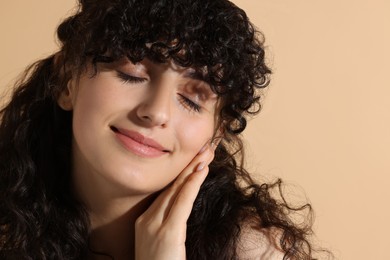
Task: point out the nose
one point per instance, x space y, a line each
155 110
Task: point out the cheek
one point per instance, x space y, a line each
95 101
85 110
191 136
194 135
92 107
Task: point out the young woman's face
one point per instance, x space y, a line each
136 126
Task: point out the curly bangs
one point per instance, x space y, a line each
212 36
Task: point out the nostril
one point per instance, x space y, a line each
113 128
148 118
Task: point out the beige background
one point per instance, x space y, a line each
325 126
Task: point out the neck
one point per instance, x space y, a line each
112 227
112 217
112 212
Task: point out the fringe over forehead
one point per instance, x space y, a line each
213 36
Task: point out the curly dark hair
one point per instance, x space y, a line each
40 217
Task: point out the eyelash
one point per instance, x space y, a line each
189 103
125 78
184 100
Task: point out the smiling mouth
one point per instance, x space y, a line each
139 144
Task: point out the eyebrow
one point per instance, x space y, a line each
198 75
194 74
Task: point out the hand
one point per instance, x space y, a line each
160 232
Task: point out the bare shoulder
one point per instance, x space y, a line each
259 243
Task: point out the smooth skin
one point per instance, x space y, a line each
161 230
139 206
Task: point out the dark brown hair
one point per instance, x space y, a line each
40 218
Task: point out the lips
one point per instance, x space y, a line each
139 144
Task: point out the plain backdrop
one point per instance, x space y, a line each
325 123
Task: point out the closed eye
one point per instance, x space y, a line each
189 104
126 78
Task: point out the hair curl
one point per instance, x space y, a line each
39 216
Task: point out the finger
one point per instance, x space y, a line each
162 204
184 201
204 157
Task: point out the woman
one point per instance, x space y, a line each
125 143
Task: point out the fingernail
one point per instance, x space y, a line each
214 146
200 166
